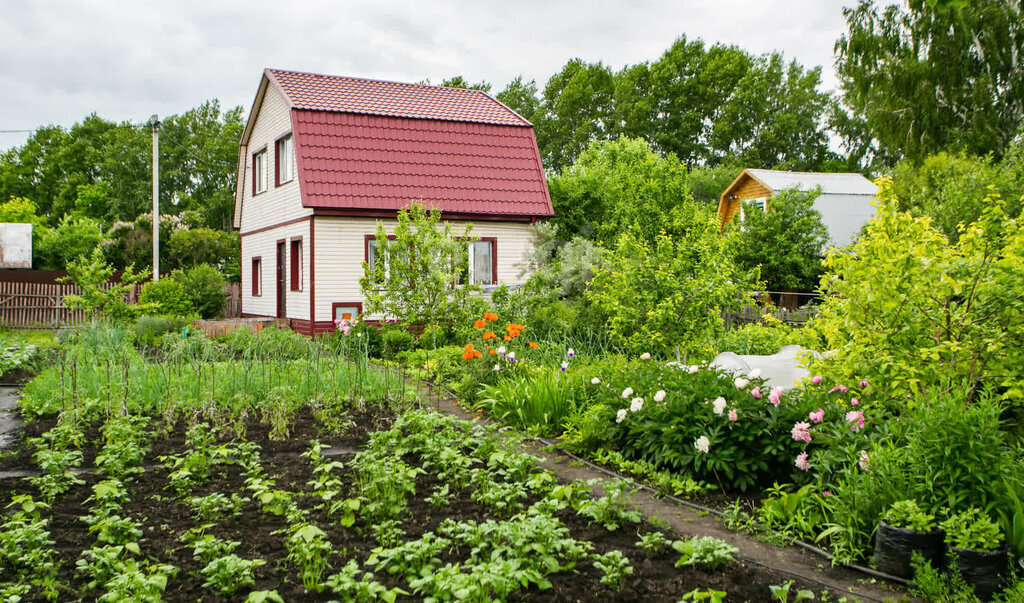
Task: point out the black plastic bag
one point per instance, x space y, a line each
894 546
981 570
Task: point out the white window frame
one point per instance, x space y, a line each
259 167
285 148
762 201
472 263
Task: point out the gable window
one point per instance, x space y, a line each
284 161
482 262
259 172
296 264
257 276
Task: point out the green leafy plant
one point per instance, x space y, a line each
653 541
907 515
309 550
229 573
614 567
710 595
706 550
612 509
353 584
98 295
781 592
972 529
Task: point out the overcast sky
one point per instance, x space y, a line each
63 59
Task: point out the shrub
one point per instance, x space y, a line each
204 286
167 296
150 328
766 337
909 311
433 337
395 340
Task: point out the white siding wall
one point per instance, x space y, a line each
264 245
277 204
340 245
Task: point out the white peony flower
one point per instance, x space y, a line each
719 405
660 396
702 443
740 382
626 393
621 415
636 405
595 381
754 374
645 356
692 369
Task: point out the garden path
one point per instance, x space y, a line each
10 419
790 560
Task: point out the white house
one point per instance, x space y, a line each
844 202
323 158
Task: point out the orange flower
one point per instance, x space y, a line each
513 329
489 335
533 344
470 353
507 338
491 352
479 324
490 316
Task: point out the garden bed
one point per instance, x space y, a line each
164 516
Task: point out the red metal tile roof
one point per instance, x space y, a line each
350 161
375 97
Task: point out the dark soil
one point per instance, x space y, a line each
164 519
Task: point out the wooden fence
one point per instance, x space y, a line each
750 314
40 305
33 305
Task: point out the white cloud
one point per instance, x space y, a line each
128 60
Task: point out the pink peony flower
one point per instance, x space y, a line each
854 401
816 379
865 460
863 384
801 431
817 416
801 462
856 418
775 396
839 388
733 415
756 392
826 493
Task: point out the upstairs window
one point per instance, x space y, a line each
284 161
296 264
481 262
259 172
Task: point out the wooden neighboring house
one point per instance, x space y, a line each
323 158
844 202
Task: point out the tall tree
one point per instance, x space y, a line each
521 97
459 81
576 108
935 75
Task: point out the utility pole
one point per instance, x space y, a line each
155 123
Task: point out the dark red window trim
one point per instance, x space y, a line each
256 273
334 307
277 160
295 262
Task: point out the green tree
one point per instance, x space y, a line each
615 185
932 78
576 107
460 82
954 190
521 97
669 291
786 241
910 312
773 118
73 238
418 276
99 293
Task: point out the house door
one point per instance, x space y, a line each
282 265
